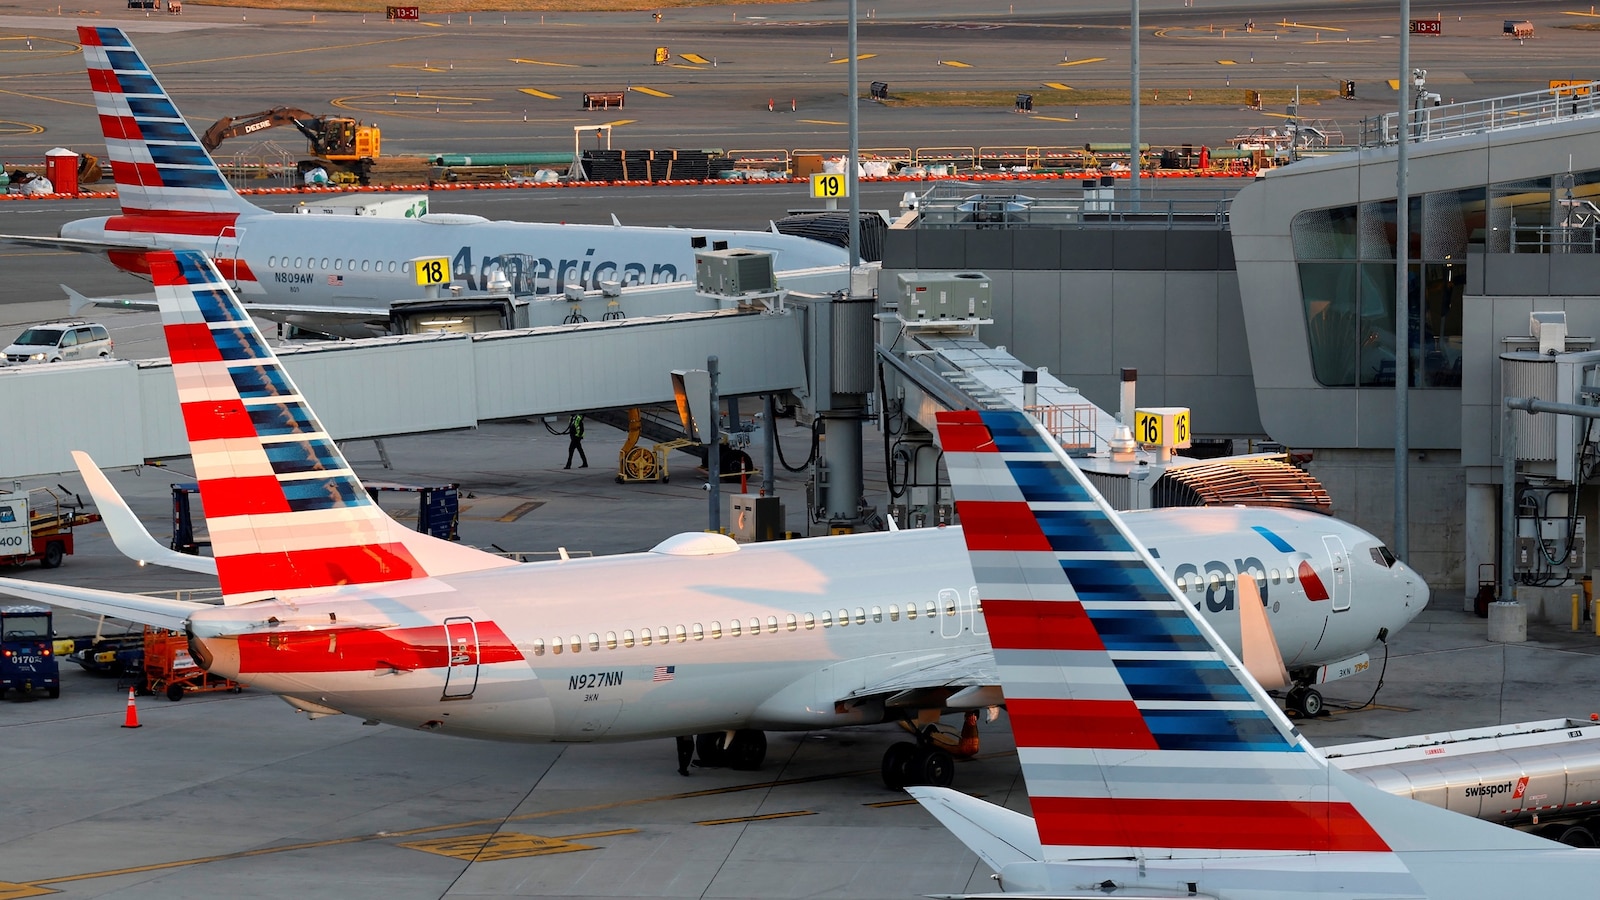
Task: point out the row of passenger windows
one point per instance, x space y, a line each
339 265
1197 582
737 628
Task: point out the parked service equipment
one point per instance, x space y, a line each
336 143
170 670
438 511
37 527
27 651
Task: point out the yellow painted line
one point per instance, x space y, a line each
694 58
1587 15
1313 27
9 891
768 816
418 68
885 804
651 91
507 845
823 122
620 122
690 68
1081 62
845 59
1057 86
496 822
432 24
1226 62
1394 85
540 62
538 93
954 64
1048 119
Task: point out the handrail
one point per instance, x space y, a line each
1431 123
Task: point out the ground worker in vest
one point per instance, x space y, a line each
575 441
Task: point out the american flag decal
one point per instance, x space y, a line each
336 279
664 673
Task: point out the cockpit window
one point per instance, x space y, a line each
1382 556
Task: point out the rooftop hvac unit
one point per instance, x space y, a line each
944 296
733 272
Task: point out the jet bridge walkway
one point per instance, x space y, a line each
124 412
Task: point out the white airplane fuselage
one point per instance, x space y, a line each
765 636
363 262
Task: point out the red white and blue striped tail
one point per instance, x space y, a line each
286 514
160 168
1141 735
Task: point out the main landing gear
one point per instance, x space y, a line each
906 764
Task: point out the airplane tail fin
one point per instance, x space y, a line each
286 514
1141 735
158 164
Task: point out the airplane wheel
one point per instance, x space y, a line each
1311 703
708 747
897 762
934 767
748 750
1571 835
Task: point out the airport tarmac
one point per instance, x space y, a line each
240 796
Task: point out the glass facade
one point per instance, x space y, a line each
1345 256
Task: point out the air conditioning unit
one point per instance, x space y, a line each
733 272
944 296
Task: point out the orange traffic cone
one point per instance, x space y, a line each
132 720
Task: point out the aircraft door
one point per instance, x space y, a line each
226 255
949 613
461 674
1340 589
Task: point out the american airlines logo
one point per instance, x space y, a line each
524 273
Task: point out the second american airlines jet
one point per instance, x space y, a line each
338 268
339 609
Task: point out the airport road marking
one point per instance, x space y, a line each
432 24
1587 15
649 90
1081 62
541 94
540 62
508 845
1048 119
885 804
1314 27
690 68
50 99
1057 86
522 509
1394 84
804 121
845 59
762 818
419 68
496 822
1226 62
190 62
620 122
694 58
955 64
9 891
8 127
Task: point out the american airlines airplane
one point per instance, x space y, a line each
1156 767
331 269
339 609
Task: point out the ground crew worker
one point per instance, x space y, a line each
575 441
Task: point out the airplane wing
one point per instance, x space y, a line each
967 681
127 532
157 611
77 303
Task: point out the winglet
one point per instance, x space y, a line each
127 532
76 302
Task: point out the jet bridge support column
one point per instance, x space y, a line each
839 358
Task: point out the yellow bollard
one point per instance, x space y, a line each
1577 610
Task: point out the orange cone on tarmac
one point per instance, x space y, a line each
132 720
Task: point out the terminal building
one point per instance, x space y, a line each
1269 310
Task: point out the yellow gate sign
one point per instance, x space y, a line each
662 56
1568 87
432 271
1166 427
830 185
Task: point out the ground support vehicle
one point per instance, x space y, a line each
170 670
37 526
27 651
336 143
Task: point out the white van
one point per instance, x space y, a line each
57 341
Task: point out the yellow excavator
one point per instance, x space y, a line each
336 143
